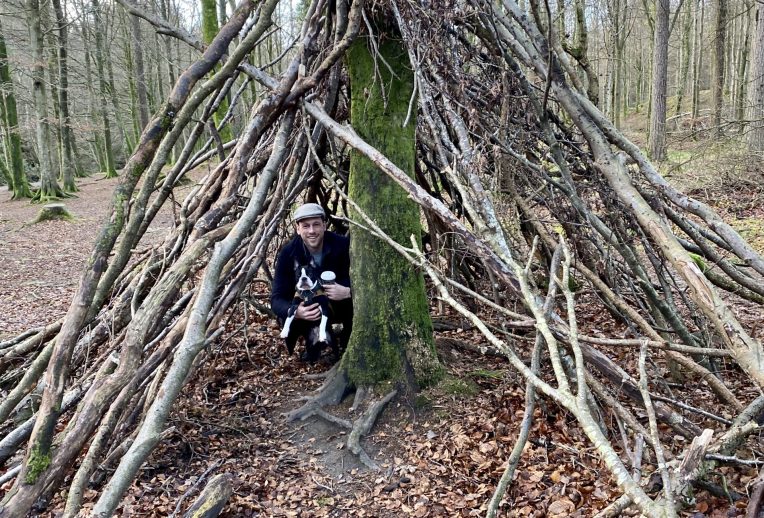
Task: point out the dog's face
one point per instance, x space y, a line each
307 277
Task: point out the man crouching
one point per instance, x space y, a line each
323 251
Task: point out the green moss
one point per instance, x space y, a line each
458 387
37 463
392 330
422 402
487 374
323 501
53 212
698 261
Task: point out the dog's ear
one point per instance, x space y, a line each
296 266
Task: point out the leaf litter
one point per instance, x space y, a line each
441 454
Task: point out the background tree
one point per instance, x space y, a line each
12 141
49 188
719 54
68 167
756 84
142 108
660 78
209 30
103 111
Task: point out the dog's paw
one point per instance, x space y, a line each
323 337
284 333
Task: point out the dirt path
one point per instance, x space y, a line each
40 264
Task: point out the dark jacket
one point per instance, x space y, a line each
336 258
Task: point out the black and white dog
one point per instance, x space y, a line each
309 290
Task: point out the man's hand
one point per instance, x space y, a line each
312 312
337 292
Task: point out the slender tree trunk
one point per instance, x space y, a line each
97 137
392 332
209 30
49 188
756 85
660 75
686 49
742 69
19 184
581 54
68 166
103 111
54 123
697 53
140 73
171 73
720 33
127 140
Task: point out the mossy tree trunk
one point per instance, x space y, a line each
392 332
68 165
209 31
19 184
111 170
49 188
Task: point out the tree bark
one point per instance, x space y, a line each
392 331
697 52
717 85
68 165
756 85
103 110
49 188
19 184
660 77
209 30
686 57
140 73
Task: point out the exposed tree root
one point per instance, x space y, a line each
362 426
332 392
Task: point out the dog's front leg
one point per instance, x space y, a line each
322 336
287 325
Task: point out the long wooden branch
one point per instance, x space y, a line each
162 25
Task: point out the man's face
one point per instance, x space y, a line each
311 230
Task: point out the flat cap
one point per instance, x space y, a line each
308 210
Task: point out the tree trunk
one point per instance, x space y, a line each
720 33
660 75
140 73
96 141
209 30
127 141
686 58
68 165
581 54
742 68
19 185
49 188
697 53
756 85
103 110
392 331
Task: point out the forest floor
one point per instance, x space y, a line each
440 455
